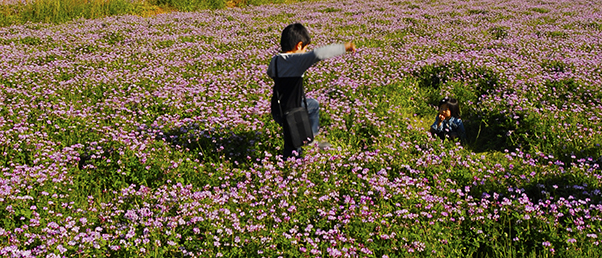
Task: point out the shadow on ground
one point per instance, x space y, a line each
237 145
482 137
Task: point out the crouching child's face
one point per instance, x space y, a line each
444 111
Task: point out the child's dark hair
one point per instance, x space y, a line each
293 34
453 105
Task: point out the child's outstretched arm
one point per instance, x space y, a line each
303 61
329 51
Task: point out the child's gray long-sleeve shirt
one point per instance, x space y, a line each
294 65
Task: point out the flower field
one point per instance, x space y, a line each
130 136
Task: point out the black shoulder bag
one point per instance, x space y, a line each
297 128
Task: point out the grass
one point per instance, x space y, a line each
59 11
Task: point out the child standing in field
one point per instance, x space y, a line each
287 69
448 122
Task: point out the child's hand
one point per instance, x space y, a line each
441 118
350 47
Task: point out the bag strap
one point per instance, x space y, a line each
275 89
278 93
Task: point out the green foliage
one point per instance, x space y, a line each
113 168
594 25
165 43
330 10
540 10
262 2
190 5
499 32
563 136
556 66
477 11
552 34
32 41
113 38
480 80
